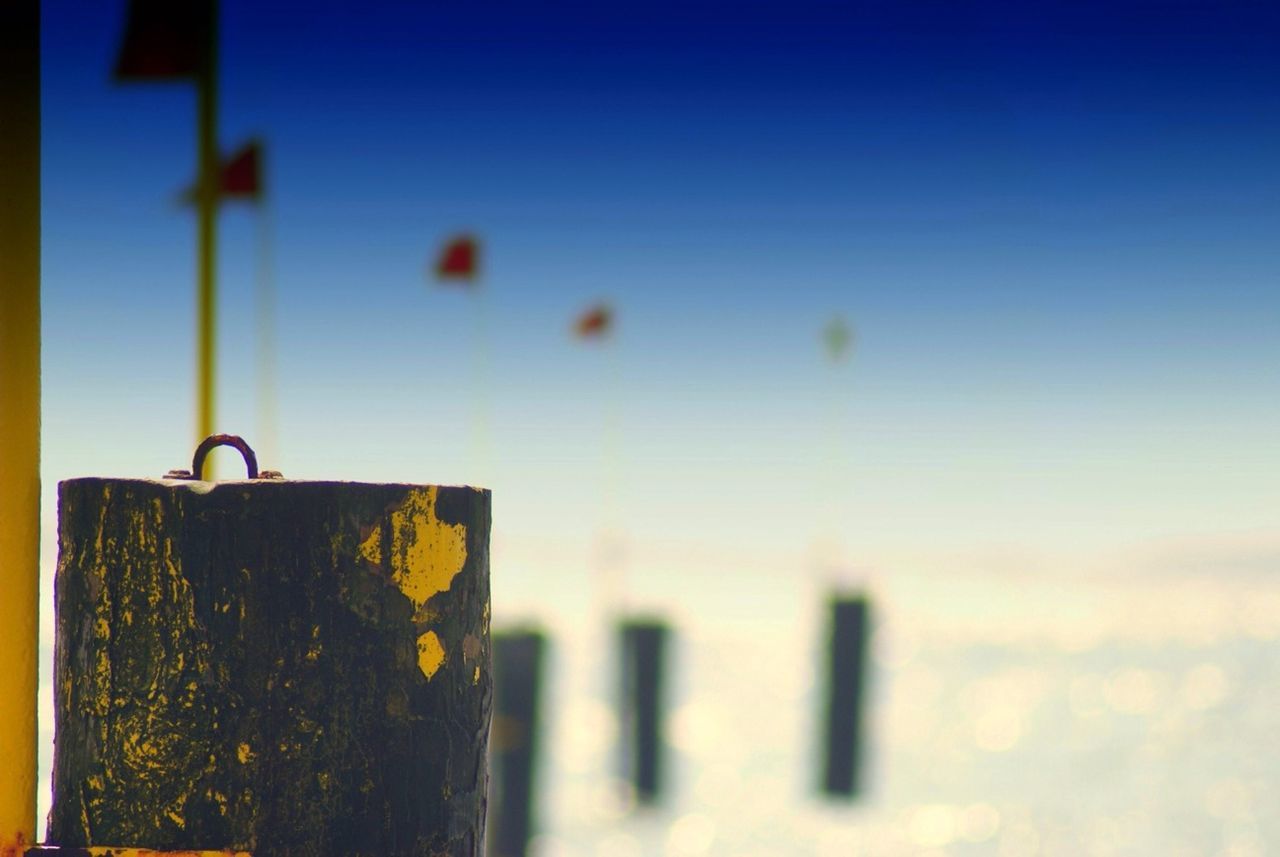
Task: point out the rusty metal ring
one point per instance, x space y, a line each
215 440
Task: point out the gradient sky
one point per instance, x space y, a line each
1054 227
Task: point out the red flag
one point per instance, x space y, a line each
239 176
166 40
595 323
459 260
242 173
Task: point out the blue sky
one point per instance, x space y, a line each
1052 225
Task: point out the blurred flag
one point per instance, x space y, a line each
165 40
239 177
459 260
595 323
242 173
837 336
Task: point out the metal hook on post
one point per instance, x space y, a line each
215 440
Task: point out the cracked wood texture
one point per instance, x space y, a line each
290 668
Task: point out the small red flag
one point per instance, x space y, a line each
596 322
242 172
165 40
459 260
239 176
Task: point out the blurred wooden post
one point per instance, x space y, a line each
846 677
644 644
514 741
294 668
19 415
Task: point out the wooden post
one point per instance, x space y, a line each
517 686
19 415
842 756
644 643
289 668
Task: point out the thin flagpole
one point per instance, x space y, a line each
609 559
836 465
207 204
615 583
480 445
266 328
834 475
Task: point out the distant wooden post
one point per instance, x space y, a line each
514 740
846 678
288 668
644 644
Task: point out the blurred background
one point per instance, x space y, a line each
967 310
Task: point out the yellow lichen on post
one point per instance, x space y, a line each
371 546
431 653
426 554
423 555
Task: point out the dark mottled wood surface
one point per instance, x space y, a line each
291 668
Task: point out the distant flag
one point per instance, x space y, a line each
595 323
239 176
459 260
837 336
165 40
242 173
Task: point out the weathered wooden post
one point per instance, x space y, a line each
292 668
644 643
846 678
515 740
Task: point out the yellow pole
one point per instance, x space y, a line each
268 450
207 204
19 416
